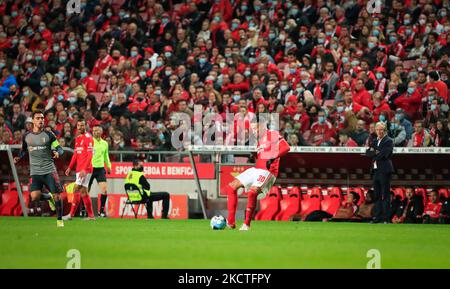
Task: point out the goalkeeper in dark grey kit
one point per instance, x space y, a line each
42 147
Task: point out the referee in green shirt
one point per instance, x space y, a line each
99 159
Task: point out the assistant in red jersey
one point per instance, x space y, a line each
432 211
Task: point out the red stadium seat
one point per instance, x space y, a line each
315 192
290 205
333 191
309 205
399 192
331 205
422 192
443 192
311 201
270 205
18 210
10 200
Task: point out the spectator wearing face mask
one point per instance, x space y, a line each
398 133
400 116
337 116
381 81
322 131
439 85
410 101
202 67
379 105
434 113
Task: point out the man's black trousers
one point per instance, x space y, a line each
158 196
382 191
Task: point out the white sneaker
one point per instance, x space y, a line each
229 226
244 227
67 217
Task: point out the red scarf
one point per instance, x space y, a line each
419 139
318 93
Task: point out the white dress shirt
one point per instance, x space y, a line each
378 144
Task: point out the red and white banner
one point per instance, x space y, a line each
165 170
227 175
178 208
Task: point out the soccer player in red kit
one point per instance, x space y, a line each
82 157
270 148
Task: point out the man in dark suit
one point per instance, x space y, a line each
380 151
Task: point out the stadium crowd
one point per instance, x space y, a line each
330 68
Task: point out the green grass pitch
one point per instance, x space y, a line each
129 243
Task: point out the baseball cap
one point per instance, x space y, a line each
149 50
168 48
292 98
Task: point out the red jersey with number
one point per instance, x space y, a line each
83 152
271 147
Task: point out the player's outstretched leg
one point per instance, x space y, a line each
88 203
232 202
250 210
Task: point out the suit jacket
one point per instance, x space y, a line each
382 154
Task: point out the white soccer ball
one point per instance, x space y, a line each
218 223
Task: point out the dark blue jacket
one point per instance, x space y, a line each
382 154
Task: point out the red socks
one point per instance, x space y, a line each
88 204
76 202
251 206
232 204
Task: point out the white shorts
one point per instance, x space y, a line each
83 181
259 178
